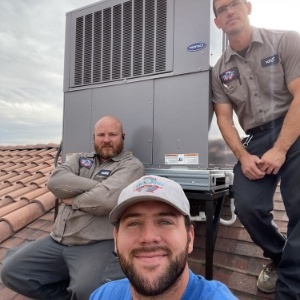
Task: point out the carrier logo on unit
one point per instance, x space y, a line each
196 47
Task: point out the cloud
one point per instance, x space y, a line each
32 38
32 122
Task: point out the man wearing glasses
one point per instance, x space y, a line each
258 78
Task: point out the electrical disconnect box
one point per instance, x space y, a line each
148 62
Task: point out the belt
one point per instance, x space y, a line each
264 127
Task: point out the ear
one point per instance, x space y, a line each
191 236
123 136
249 7
217 23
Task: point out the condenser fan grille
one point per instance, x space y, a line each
126 40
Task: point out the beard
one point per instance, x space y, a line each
109 150
163 281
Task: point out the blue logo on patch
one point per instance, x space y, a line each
196 47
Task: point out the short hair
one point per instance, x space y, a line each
214 8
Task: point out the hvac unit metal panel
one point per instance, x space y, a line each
182 119
147 62
84 107
197 41
117 40
77 127
133 104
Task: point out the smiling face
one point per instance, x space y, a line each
232 15
152 243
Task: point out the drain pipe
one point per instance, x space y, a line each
229 180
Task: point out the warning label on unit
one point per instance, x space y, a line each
182 159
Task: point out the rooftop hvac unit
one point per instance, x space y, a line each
148 63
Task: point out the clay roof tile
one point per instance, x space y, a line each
5 231
14 187
15 194
4 210
23 216
34 193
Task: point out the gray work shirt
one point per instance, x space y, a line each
95 189
256 85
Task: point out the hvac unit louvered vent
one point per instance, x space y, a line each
123 41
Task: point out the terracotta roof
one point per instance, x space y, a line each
26 213
26 205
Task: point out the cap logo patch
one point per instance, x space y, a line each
148 184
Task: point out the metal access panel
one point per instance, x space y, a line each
148 62
182 118
82 109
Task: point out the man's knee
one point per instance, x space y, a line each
244 208
11 277
13 273
5 273
8 267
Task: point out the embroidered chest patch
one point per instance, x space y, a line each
269 61
230 75
104 173
86 162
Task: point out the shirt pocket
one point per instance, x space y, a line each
271 79
236 91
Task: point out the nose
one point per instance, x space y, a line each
106 138
149 235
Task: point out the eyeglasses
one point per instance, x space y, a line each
233 5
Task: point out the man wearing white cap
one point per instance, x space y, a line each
153 236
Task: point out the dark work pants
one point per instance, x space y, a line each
254 205
44 269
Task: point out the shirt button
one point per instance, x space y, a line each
250 77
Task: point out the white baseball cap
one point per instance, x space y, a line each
151 187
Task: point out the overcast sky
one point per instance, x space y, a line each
32 34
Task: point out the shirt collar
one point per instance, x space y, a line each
256 37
